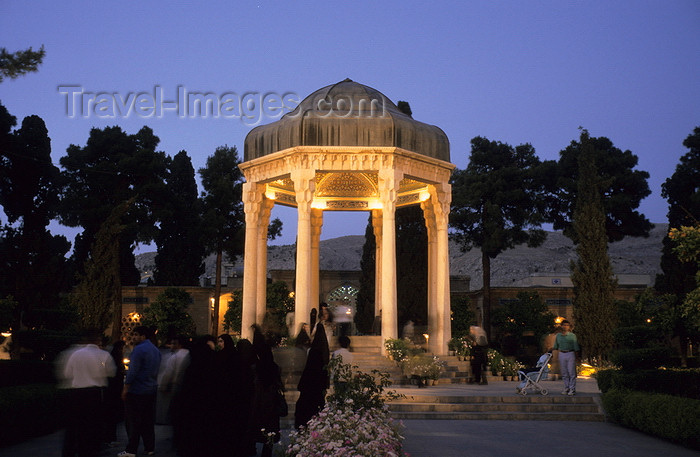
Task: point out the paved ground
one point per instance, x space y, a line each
453 438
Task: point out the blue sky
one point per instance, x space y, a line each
512 71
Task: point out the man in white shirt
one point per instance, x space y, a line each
85 375
173 374
344 351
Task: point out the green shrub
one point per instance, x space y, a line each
678 382
422 366
43 344
637 336
672 418
605 379
359 390
641 359
29 411
401 349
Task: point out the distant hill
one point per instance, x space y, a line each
638 256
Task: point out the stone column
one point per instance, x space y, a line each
389 180
433 320
316 224
261 280
377 229
304 185
252 197
442 200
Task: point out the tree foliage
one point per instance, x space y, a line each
364 312
621 189
222 181
168 314
179 260
498 202
462 316
18 63
224 216
33 267
687 248
233 317
97 296
111 168
526 314
411 265
591 274
682 191
279 303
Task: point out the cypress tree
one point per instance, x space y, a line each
364 312
179 261
591 274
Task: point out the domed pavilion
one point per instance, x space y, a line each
347 147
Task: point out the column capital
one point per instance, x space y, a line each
441 199
304 188
388 186
252 197
429 216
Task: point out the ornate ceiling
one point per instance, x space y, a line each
345 191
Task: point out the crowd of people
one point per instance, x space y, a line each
221 397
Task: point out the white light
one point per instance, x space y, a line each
319 204
271 194
374 204
424 195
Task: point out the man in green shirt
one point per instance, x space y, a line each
567 344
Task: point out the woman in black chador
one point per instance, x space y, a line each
314 379
268 382
230 415
191 409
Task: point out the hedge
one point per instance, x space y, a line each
642 358
20 372
678 382
673 418
29 411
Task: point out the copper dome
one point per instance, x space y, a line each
347 114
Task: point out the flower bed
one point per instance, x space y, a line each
341 432
355 421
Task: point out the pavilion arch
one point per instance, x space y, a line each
347 147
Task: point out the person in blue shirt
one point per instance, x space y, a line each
139 394
567 344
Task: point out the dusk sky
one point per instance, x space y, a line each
512 71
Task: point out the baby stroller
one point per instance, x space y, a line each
530 377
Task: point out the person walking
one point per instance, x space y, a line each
479 355
567 344
172 376
194 402
139 393
85 373
314 379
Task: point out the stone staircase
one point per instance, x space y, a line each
513 407
428 406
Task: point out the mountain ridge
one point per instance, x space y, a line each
629 256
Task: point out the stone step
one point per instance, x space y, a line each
546 416
516 407
366 343
512 399
490 407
